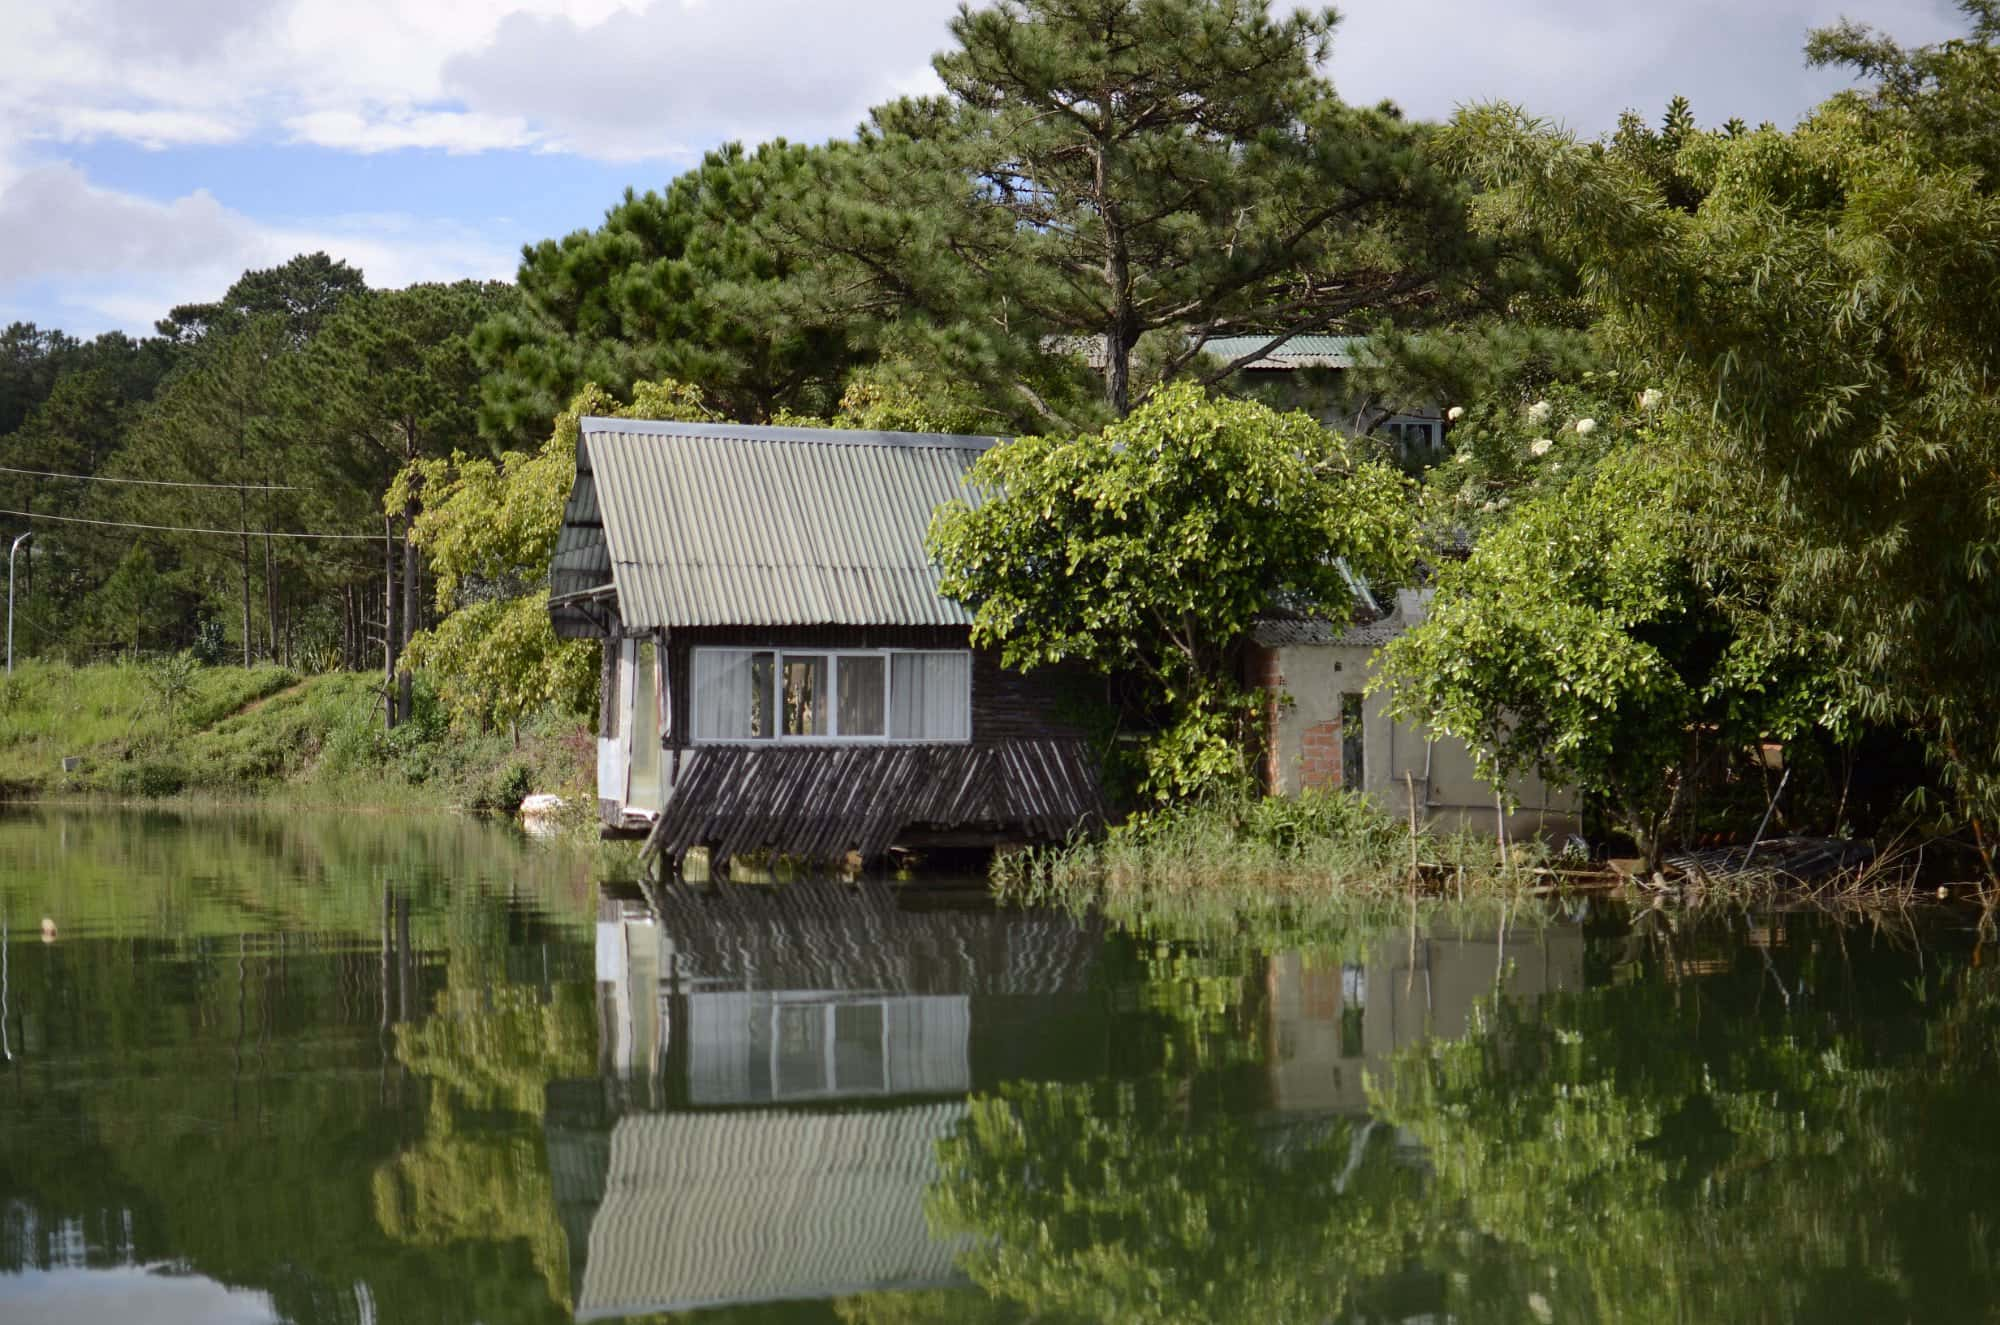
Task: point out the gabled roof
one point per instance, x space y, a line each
706 524
1298 352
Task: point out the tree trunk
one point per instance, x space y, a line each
389 621
404 682
243 538
1118 335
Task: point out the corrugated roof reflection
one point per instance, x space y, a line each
705 1209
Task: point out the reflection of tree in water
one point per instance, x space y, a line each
1786 1124
1118 1202
481 1173
1673 1151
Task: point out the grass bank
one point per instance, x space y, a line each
1241 863
265 733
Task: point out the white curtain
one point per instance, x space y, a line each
930 695
726 704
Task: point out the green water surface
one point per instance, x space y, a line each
349 1068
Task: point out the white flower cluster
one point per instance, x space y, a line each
1539 411
1650 398
1585 427
1540 446
1455 413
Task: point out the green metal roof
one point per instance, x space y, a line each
698 524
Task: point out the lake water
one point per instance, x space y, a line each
369 1069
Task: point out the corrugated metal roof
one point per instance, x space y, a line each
725 524
704 1209
1298 352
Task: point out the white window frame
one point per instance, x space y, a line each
833 656
828 1010
1433 442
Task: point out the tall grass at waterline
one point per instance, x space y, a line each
1323 859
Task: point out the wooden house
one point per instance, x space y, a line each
781 671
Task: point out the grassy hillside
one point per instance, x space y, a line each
264 731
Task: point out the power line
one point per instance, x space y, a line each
188 529
150 482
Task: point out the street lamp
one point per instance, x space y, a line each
10 597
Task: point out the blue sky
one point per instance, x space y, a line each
150 150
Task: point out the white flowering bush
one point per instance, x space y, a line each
1507 450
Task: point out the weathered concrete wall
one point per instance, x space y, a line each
1307 743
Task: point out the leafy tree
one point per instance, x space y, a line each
215 422
1102 169
302 293
489 528
1815 302
135 599
1149 549
676 284
389 378
1581 641
31 358
171 679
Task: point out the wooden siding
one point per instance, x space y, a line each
819 803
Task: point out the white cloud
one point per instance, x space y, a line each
151 129
612 79
379 130
629 79
677 79
1583 61
123 261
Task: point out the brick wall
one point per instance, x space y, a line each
1319 756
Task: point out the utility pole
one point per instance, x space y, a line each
10 597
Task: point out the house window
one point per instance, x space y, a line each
1352 754
823 695
1415 437
829 1048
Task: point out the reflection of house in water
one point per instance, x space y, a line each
1330 1023
778 1067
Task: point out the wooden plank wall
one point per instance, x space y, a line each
819 803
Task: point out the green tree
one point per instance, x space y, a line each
1102 169
1815 301
489 528
215 423
1580 640
302 293
1149 548
389 378
31 359
676 284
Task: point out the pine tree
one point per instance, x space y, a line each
1104 169
674 284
